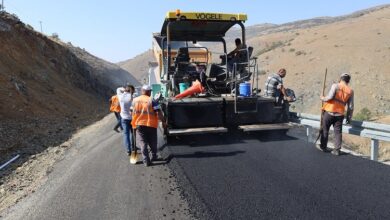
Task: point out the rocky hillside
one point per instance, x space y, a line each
138 65
47 88
358 43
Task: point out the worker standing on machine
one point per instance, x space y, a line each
339 96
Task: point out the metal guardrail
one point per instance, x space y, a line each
375 131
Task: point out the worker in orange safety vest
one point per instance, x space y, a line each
339 96
116 108
145 116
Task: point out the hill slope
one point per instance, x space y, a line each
138 65
48 88
358 43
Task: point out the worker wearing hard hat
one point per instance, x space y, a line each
339 96
145 116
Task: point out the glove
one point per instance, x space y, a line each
348 117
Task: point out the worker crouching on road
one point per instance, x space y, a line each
125 97
339 96
116 108
146 114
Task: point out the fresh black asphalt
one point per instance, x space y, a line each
268 175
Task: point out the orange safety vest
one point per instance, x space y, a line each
115 107
337 104
143 113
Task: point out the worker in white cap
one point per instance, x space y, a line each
145 117
339 96
125 98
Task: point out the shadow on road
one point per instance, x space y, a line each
269 136
203 154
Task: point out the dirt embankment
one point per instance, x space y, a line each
47 90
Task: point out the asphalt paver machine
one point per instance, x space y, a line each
186 53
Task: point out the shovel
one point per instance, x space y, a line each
322 105
134 155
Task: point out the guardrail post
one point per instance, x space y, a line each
374 149
309 131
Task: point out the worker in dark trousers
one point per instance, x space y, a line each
145 116
339 96
116 108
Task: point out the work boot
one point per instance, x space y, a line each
336 152
323 149
147 163
155 157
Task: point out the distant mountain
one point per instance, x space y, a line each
138 65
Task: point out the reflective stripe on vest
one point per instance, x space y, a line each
143 113
115 107
337 104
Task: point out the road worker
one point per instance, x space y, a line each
125 97
234 55
146 114
274 87
116 109
339 96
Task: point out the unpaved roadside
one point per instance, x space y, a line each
89 177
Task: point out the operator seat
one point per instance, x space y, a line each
244 57
182 59
182 55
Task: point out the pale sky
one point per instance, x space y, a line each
118 30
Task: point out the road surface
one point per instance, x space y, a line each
269 176
96 181
259 175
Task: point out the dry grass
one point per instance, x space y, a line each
363 146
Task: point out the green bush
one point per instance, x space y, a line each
364 115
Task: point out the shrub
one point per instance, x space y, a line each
262 72
55 36
291 50
29 27
273 46
364 115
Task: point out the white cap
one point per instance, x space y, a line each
345 74
146 88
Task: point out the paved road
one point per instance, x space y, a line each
234 176
268 176
96 181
